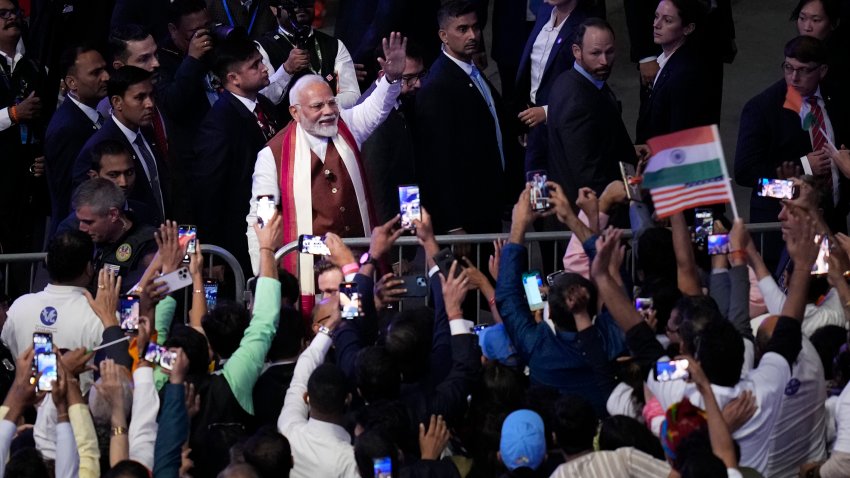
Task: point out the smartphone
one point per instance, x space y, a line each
408 200
718 244
667 370
211 292
156 353
265 209
313 245
42 343
532 282
478 328
632 182
187 236
383 467
821 265
176 280
703 226
444 260
777 188
350 305
417 286
539 191
643 303
45 364
129 313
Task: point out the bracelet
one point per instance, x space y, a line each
13 114
352 268
267 249
492 301
116 431
740 254
198 291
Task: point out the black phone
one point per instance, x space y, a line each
703 226
444 260
417 286
350 303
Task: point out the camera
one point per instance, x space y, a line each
221 32
300 33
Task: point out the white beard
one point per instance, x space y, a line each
323 131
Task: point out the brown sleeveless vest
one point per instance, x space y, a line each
335 206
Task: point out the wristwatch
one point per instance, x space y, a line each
325 330
367 258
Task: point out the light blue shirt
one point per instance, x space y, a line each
597 83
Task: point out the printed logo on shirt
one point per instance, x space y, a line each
792 387
124 252
48 316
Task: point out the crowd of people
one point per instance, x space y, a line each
133 130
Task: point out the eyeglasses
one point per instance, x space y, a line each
410 80
6 13
319 106
803 70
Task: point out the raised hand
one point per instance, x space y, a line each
106 302
495 258
454 291
341 255
395 52
171 252
607 242
383 237
387 290
433 441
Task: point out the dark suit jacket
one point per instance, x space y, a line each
270 391
685 95
461 179
265 21
220 172
68 131
769 135
142 191
587 137
560 60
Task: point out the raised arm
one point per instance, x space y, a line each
174 421
686 265
722 444
563 210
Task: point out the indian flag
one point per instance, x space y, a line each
687 170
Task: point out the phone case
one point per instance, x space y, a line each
444 260
176 280
417 286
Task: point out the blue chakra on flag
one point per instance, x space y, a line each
677 156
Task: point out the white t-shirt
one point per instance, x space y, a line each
766 382
800 431
842 422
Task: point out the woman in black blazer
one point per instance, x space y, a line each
687 90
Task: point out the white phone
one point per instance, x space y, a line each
176 280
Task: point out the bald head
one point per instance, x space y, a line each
765 332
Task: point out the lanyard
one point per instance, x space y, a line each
230 17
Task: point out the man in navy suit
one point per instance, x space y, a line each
84 72
130 92
547 54
233 132
467 155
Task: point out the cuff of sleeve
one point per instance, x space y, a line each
113 333
545 110
461 326
720 270
648 59
433 271
323 342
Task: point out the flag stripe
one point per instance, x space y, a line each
671 176
686 195
676 209
695 197
688 154
688 137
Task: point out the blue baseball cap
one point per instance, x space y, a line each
496 345
523 442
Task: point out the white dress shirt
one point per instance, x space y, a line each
131 137
541 50
830 138
11 62
828 312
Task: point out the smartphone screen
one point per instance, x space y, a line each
643 303
777 188
821 265
187 236
703 225
667 370
408 200
531 282
129 313
383 467
350 305
211 292
539 190
308 244
42 343
153 352
265 209
46 366
718 244
166 359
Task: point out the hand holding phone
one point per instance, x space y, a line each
308 244
211 293
718 244
409 205
532 281
187 237
265 209
539 190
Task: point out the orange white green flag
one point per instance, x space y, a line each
794 102
687 169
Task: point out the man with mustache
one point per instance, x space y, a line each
587 137
322 186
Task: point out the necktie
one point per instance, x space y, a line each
819 139
263 122
100 121
485 92
159 134
153 174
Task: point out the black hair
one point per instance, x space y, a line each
376 374
558 311
575 424
27 463
409 342
290 289
592 22
68 255
232 51
690 11
621 431
653 257
289 337
123 34
182 8
502 387
703 464
665 295
127 469
841 369
125 77
830 7
111 147
268 452
695 312
371 445
327 389
720 351
454 9
828 340
391 418
194 345
806 49
69 56
224 327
